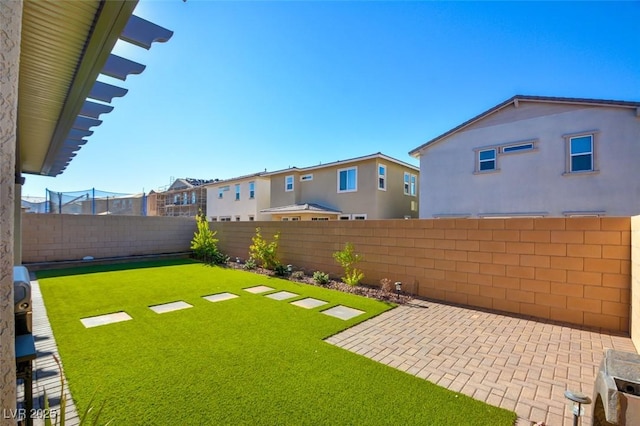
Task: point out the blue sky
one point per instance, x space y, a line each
244 86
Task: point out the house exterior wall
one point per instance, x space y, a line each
10 30
367 199
228 206
535 181
635 281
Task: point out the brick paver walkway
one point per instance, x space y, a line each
518 364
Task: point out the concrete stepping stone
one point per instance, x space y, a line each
259 289
219 297
281 295
343 312
170 307
105 319
309 303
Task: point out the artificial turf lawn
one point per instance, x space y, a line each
249 360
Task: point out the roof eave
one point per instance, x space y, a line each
109 24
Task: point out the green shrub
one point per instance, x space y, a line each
320 277
347 258
263 251
250 264
297 275
281 270
204 243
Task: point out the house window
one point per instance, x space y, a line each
581 153
176 199
345 217
406 183
222 190
414 206
487 160
193 197
319 218
382 177
237 218
185 198
225 218
252 190
288 183
214 219
347 180
288 218
237 192
413 185
517 148
306 177
359 217
251 218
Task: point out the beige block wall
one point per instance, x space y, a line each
635 281
55 237
573 270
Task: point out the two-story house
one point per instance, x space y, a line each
375 186
240 198
184 197
535 156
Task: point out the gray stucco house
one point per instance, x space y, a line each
535 156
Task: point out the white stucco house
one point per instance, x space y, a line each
239 199
535 156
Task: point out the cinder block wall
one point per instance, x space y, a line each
635 281
55 237
574 270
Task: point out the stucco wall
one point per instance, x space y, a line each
10 27
55 237
635 281
574 270
533 181
245 207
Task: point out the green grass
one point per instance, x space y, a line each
250 360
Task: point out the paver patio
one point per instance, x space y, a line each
515 363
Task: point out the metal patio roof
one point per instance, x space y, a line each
65 46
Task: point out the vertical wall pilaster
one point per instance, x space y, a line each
10 28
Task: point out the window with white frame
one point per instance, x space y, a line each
348 179
319 218
581 153
222 190
225 218
406 179
237 218
288 183
486 160
251 218
359 216
413 187
252 190
382 177
237 192
344 217
307 177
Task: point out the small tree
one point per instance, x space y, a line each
263 251
204 243
348 259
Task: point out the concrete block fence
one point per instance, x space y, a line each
573 270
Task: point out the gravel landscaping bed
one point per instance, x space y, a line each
361 290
